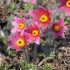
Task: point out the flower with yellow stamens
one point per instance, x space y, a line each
18 41
65 7
19 25
33 33
68 3
57 29
43 18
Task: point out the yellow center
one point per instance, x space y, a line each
35 32
56 28
21 26
43 18
68 3
20 42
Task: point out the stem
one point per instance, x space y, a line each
26 54
35 52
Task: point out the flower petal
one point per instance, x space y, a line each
65 9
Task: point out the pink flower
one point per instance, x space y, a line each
33 33
42 16
65 6
57 29
17 41
30 1
19 25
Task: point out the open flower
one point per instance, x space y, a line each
33 33
30 1
65 6
19 25
42 16
57 29
17 42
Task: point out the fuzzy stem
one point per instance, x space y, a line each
35 52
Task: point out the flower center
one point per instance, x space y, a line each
56 28
43 18
20 42
35 32
68 3
21 26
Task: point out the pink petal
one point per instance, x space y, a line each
33 1
62 1
61 34
14 30
38 12
34 14
31 38
18 49
14 23
37 40
16 19
65 9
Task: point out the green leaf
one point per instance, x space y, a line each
51 56
3 67
26 66
47 67
27 7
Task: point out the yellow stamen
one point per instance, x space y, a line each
20 42
43 18
56 28
68 3
21 26
35 32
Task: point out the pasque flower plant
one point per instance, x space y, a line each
23 34
36 30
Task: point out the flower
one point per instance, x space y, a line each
42 16
33 33
65 6
57 28
30 1
19 25
17 42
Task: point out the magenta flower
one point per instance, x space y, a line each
65 6
57 29
33 33
41 16
17 42
19 25
30 1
